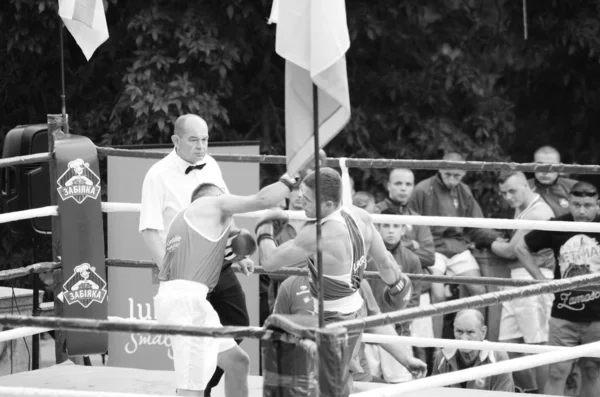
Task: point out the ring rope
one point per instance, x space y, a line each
144 326
375 163
450 221
462 344
152 327
472 302
500 367
485 223
14 391
27 159
41 267
294 271
21 332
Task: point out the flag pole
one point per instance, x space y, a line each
318 206
63 99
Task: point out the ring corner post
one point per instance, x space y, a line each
55 131
334 375
80 287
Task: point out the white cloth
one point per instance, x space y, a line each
312 36
86 22
167 190
527 318
183 302
423 327
456 265
346 185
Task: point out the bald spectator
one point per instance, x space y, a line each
469 326
444 194
552 187
364 200
525 320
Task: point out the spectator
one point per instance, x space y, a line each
575 317
553 188
402 241
469 326
417 238
445 195
364 200
525 320
391 235
294 298
401 181
167 190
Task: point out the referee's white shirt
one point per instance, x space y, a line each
167 190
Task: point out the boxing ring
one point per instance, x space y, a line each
73 380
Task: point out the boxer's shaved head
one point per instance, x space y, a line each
206 189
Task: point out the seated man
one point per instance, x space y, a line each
394 365
444 194
469 326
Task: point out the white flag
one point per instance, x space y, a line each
86 22
312 36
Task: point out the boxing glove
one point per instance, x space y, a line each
240 245
397 296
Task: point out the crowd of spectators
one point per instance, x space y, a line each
566 319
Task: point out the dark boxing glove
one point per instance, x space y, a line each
270 223
240 245
397 295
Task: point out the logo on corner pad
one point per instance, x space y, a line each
85 286
78 182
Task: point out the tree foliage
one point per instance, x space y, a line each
425 77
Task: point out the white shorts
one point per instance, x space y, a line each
456 265
383 365
423 327
184 302
527 318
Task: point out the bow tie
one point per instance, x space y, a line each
194 167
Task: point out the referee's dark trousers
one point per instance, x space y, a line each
229 301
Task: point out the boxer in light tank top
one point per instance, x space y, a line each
348 235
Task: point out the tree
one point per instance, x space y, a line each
426 77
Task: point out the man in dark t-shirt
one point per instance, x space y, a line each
575 317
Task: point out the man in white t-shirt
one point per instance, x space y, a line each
525 320
167 190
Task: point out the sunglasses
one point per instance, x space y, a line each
584 193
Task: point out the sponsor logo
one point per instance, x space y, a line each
78 182
578 256
85 286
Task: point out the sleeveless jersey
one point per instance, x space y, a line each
338 287
544 258
192 256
